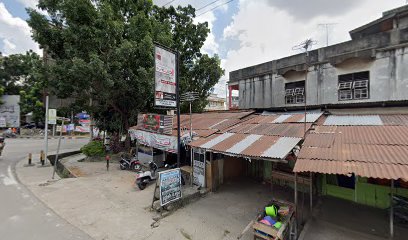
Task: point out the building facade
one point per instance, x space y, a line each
368 69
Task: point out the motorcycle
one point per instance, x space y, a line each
131 163
144 178
2 144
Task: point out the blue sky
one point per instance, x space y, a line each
243 32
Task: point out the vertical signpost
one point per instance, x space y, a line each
166 89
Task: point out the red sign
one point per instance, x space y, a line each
156 123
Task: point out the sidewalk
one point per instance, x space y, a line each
108 206
340 219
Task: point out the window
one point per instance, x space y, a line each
354 86
295 92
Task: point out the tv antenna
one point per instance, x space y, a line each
327 26
305 45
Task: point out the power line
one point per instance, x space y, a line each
214 8
168 3
207 5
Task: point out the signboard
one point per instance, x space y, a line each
163 142
170 186
164 78
10 110
52 116
156 123
199 167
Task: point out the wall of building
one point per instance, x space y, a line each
388 81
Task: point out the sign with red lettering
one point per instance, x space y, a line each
165 78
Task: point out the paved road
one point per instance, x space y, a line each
22 215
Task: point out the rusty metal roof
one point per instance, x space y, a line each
353 120
363 169
370 151
248 145
271 129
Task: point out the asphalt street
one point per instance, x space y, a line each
22 215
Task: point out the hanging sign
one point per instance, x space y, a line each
170 186
52 116
164 78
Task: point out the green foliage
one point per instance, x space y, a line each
103 50
24 74
94 149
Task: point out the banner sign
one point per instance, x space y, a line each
163 142
10 110
156 123
52 116
199 167
164 78
170 186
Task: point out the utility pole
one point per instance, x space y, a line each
326 26
305 46
46 127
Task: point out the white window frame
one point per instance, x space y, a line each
349 95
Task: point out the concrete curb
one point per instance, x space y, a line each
63 137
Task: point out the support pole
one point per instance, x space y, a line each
311 193
46 128
178 110
296 207
58 148
355 188
392 210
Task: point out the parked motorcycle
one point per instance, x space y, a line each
144 178
132 163
2 144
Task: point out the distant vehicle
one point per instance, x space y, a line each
2 144
29 125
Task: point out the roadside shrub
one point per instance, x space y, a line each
94 149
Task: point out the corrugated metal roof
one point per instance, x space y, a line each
268 147
281 118
281 148
395 120
353 120
216 140
369 151
363 169
281 129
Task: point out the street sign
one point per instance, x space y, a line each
170 186
52 116
199 167
165 88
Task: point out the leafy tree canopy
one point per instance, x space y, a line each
24 74
103 50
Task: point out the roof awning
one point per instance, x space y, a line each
248 145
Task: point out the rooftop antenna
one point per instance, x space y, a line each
327 26
304 46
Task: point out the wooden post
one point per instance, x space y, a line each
392 210
296 207
311 193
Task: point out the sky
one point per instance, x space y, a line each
243 32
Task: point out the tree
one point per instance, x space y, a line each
102 52
24 74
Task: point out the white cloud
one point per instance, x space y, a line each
268 30
210 45
29 3
15 34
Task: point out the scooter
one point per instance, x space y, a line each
144 178
130 163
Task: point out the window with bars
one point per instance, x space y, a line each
354 86
295 92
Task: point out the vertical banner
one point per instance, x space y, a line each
52 116
199 167
165 63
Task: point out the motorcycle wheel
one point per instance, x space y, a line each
122 167
137 167
141 185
